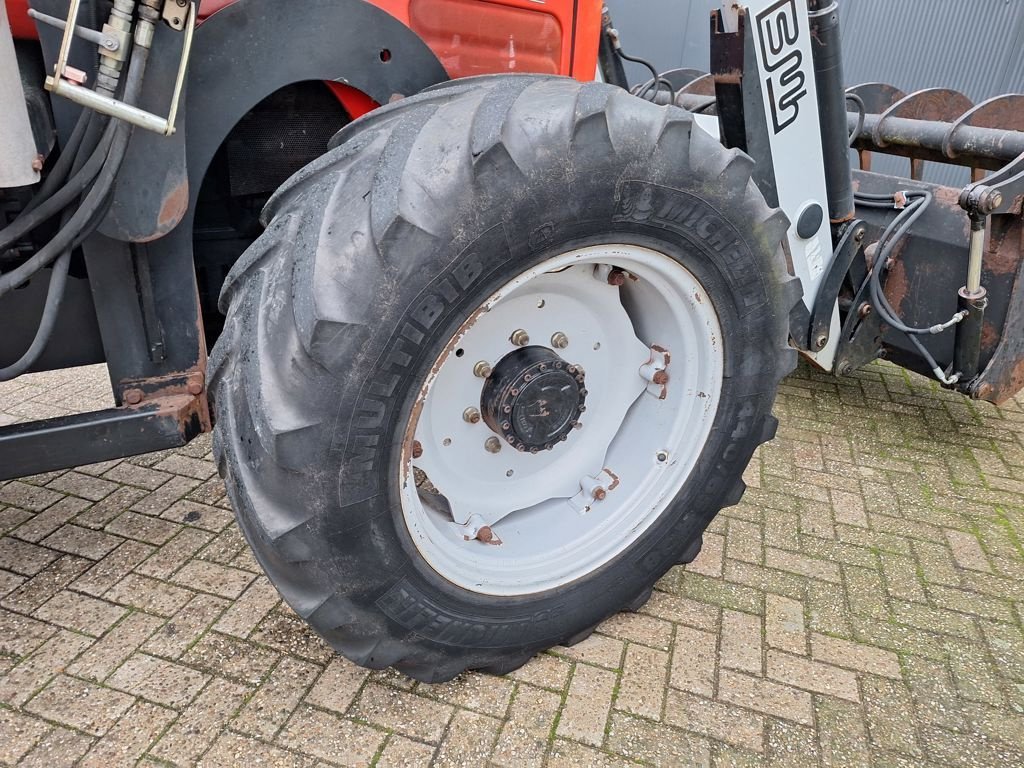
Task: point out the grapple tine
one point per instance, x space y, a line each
1004 112
877 98
943 104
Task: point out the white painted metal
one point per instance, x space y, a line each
783 56
633 445
17 145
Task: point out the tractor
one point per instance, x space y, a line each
493 331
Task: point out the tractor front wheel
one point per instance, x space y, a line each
497 361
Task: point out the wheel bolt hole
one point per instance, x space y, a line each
597 345
540 303
385 55
460 352
447 441
509 473
662 456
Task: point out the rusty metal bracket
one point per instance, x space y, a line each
87 438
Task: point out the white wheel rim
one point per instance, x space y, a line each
637 446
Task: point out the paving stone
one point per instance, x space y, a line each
199 515
765 696
740 646
18 734
523 740
234 749
784 624
412 715
265 713
200 722
544 670
329 737
144 528
60 746
127 473
32 593
78 484
286 632
151 595
812 676
694 661
250 609
24 679
655 744
80 612
338 685
400 752
158 680
29 497
469 740
133 734
569 754
186 626
111 569
642 685
596 649
715 720
102 512
585 714
888 707
843 653
23 557
213 578
38 527
115 647
639 628
680 610
472 690
225 656
81 705
171 556
842 733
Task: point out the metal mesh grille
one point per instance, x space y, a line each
283 133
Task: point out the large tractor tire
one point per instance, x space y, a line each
498 359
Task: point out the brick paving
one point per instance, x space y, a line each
863 605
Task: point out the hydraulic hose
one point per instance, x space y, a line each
94 201
61 199
60 169
918 201
77 226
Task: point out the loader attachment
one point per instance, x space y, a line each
928 276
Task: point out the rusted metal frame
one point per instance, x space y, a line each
86 438
971 146
923 284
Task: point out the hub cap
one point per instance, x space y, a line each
533 399
596 395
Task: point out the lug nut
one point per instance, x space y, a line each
471 415
660 378
616 277
864 310
417 449
599 493
492 445
559 340
482 369
485 534
520 338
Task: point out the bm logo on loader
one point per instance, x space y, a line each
778 30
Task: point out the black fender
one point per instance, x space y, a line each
241 55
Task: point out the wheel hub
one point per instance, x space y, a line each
533 398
